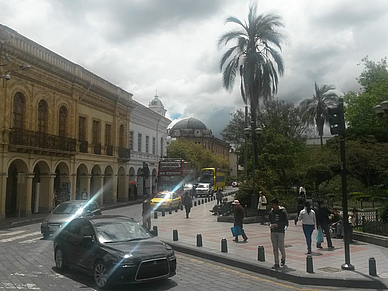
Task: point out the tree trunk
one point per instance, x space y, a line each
321 141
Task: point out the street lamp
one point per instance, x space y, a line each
382 108
256 132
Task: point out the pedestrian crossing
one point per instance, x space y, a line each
20 236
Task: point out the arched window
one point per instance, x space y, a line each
42 116
121 136
62 121
19 105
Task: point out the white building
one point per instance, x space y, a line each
147 142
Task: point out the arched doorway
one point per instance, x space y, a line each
42 195
132 189
62 189
82 181
121 193
96 184
17 196
108 185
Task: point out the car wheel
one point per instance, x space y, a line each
100 275
60 261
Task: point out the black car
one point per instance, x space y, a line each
113 248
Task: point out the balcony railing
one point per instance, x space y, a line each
97 148
83 146
109 150
124 154
41 140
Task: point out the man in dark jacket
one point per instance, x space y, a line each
239 218
278 221
188 203
322 217
219 197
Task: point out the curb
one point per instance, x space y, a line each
298 279
40 219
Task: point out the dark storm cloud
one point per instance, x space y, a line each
123 21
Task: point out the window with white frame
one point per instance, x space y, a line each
153 145
139 138
147 143
131 140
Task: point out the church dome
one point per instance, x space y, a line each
189 123
156 102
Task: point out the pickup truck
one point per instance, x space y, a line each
204 189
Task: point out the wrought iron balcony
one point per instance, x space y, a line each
97 148
83 146
40 140
124 154
109 150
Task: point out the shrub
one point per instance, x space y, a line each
384 212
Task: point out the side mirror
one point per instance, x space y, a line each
152 232
88 240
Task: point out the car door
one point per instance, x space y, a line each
88 247
71 239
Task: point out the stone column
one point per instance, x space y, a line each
101 194
73 180
46 197
114 188
3 194
26 195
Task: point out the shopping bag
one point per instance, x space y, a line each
236 230
319 235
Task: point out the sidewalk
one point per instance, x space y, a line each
327 263
38 217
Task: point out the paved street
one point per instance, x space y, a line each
27 264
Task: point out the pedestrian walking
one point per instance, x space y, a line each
262 207
322 217
219 197
352 223
300 200
239 214
188 203
307 216
84 194
147 214
278 222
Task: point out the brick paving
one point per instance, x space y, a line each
327 263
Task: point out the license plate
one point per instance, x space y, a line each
54 227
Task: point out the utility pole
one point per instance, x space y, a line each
337 127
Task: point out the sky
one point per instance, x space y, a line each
171 46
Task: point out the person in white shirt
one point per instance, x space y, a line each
262 207
307 216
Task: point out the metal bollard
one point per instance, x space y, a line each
309 264
155 228
372 266
181 207
205 200
199 202
163 212
202 201
261 254
155 215
170 211
195 203
175 235
224 245
199 240
176 209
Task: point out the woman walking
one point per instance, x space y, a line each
307 216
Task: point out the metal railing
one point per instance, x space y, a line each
109 150
83 146
124 154
97 148
28 138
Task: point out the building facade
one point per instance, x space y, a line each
64 131
147 142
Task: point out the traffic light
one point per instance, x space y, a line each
145 170
337 120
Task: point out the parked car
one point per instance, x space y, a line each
235 184
65 212
204 189
166 200
113 249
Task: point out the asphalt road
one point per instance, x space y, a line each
26 263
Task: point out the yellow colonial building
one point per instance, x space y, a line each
64 130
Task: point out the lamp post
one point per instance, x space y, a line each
382 108
253 132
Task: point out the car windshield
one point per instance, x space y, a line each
120 231
163 195
67 208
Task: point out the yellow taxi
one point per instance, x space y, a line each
166 200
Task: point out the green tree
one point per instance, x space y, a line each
314 110
255 56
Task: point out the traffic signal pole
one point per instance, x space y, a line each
337 127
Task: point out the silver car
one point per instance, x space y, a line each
66 212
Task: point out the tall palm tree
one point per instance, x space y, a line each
315 109
255 57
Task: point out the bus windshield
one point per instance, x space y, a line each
207 176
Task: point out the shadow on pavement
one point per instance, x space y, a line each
87 281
